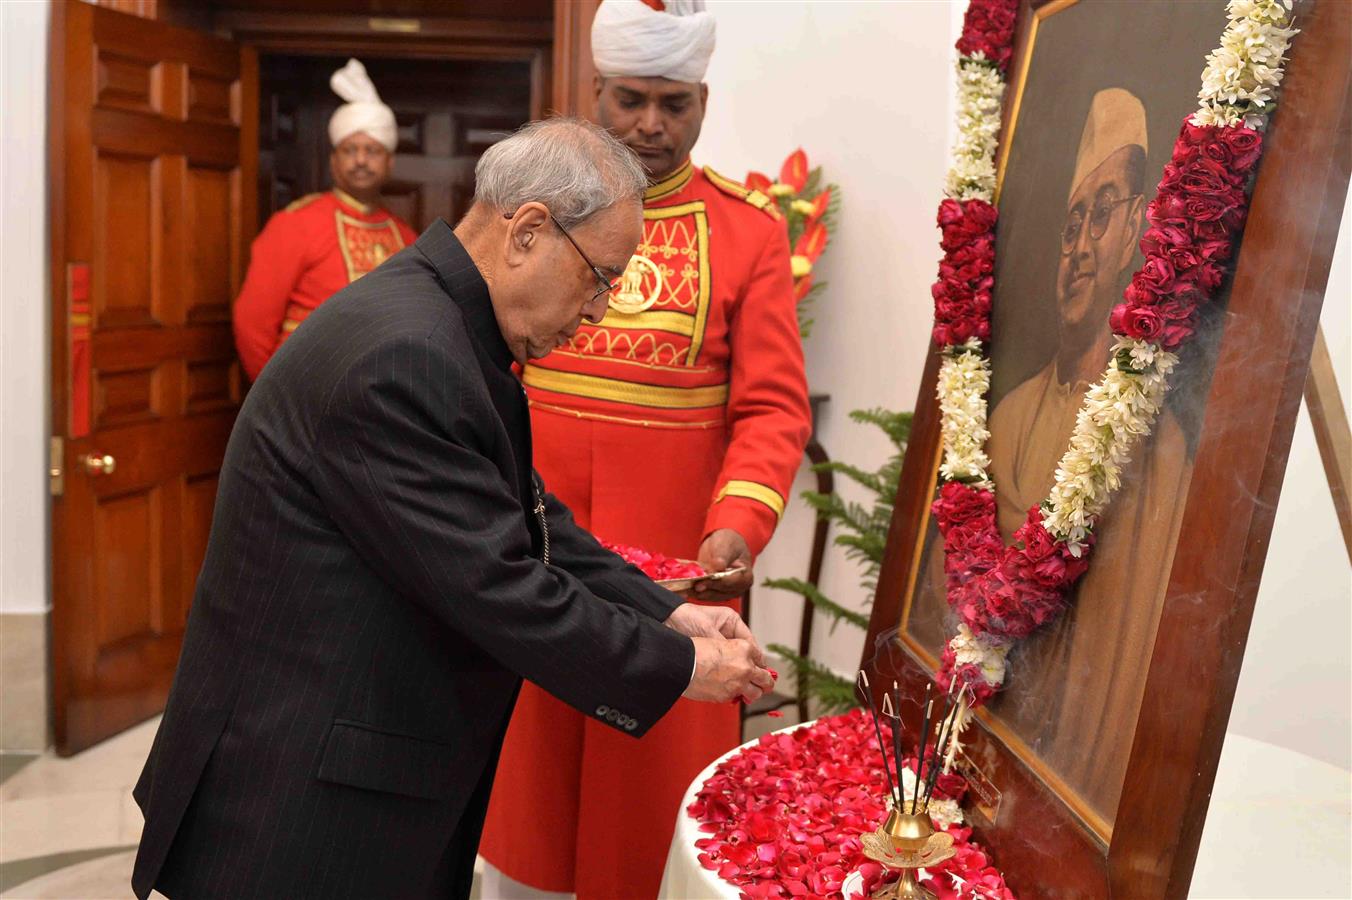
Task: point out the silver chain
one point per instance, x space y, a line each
540 514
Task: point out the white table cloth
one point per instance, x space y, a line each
1257 784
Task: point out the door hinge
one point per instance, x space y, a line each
55 463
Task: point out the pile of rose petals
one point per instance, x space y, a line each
784 816
655 565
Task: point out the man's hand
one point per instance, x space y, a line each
694 620
724 549
727 669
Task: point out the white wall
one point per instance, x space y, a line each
23 306
865 88
1295 688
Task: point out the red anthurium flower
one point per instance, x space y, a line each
812 241
819 205
794 171
758 182
801 287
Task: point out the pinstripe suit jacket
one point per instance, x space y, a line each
371 597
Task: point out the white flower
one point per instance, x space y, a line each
1117 412
964 379
944 812
1242 74
971 173
972 650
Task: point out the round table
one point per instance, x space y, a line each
1235 857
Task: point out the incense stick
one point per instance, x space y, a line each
896 743
942 739
924 740
877 728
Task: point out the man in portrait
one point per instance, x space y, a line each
1082 677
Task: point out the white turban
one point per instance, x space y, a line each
363 110
631 39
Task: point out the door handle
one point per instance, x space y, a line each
98 465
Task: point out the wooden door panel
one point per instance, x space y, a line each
127 563
126 396
152 159
126 83
126 239
208 206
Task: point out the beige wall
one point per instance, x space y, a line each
23 376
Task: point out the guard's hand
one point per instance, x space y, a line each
694 620
721 550
728 669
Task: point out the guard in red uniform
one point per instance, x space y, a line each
322 242
676 424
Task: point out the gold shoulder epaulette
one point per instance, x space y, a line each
756 198
303 202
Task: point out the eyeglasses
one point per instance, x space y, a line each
606 284
1099 217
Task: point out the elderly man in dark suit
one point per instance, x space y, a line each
384 567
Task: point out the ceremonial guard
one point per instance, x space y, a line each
675 424
323 242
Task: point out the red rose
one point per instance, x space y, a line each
952 785
1183 258
1207 177
950 211
960 504
1245 144
1220 152
1157 275
981 216
1195 135
1166 207
1158 239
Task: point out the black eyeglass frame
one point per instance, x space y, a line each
1068 247
607 284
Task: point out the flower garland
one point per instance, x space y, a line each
784 816
1002 594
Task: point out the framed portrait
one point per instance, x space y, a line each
1100 703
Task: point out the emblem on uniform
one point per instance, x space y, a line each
640 286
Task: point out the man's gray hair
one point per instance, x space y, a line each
570 165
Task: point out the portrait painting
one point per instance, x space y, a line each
1096 106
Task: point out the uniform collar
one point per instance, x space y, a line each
348 200
671 184
462 280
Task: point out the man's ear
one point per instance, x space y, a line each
598 84
525 232
703 99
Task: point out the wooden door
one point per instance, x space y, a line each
153 138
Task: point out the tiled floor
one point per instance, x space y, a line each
69 827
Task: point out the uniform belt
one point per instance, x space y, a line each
634 393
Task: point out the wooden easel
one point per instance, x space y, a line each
1331 433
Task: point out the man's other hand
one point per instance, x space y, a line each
724 549
694 620
728 669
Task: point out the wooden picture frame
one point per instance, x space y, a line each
1046 842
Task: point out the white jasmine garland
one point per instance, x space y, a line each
971 650
964 379
981 88
1242 75
1117 411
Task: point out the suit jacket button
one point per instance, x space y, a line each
630 725
602 710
